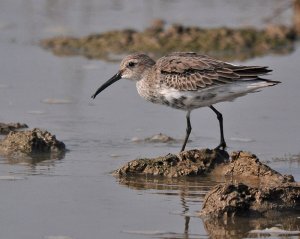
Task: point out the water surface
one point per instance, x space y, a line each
76 197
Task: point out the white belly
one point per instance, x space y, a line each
188 100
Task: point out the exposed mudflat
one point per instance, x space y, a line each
31 141
5 128
241 166
238 199
251 188
187 163
223 42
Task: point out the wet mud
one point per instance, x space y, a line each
31 145
156 138
5 128
253 189
187 163
160 138
249 188
296 16
159 39
238 199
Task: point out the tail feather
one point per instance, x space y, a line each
260 83
251 71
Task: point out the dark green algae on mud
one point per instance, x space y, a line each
157 40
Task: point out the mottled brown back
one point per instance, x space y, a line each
188 71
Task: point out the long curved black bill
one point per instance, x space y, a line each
112 80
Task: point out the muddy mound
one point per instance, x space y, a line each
5 128
242 200
251 188
187 163
240 166
158 40
160 138
245 167
30 142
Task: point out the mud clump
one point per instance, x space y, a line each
245 167
250 187
242 200
254 189
156 138
187 163
158 40
5 128
160 138
30 142
296 16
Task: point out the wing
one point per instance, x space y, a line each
188 71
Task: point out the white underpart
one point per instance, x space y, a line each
213 95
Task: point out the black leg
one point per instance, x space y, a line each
188 130
220 118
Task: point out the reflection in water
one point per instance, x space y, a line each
33 159
189 189
193 189
290 158
240 227
291 163
21 165
183 194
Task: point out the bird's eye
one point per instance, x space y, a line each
131 64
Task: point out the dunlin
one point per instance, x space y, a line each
187 81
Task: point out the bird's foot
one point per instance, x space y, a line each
222 146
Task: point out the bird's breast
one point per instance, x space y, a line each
183 100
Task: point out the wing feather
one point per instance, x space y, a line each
189 71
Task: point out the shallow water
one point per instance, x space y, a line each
76 197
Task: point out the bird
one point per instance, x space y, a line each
189 80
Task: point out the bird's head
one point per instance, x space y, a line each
133 67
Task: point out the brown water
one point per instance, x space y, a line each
76 197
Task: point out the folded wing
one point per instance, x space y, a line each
191 71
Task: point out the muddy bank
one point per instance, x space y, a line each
245 167
239 166
296 16
238 199
251 188
159 39
187 163
5 128
34 144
